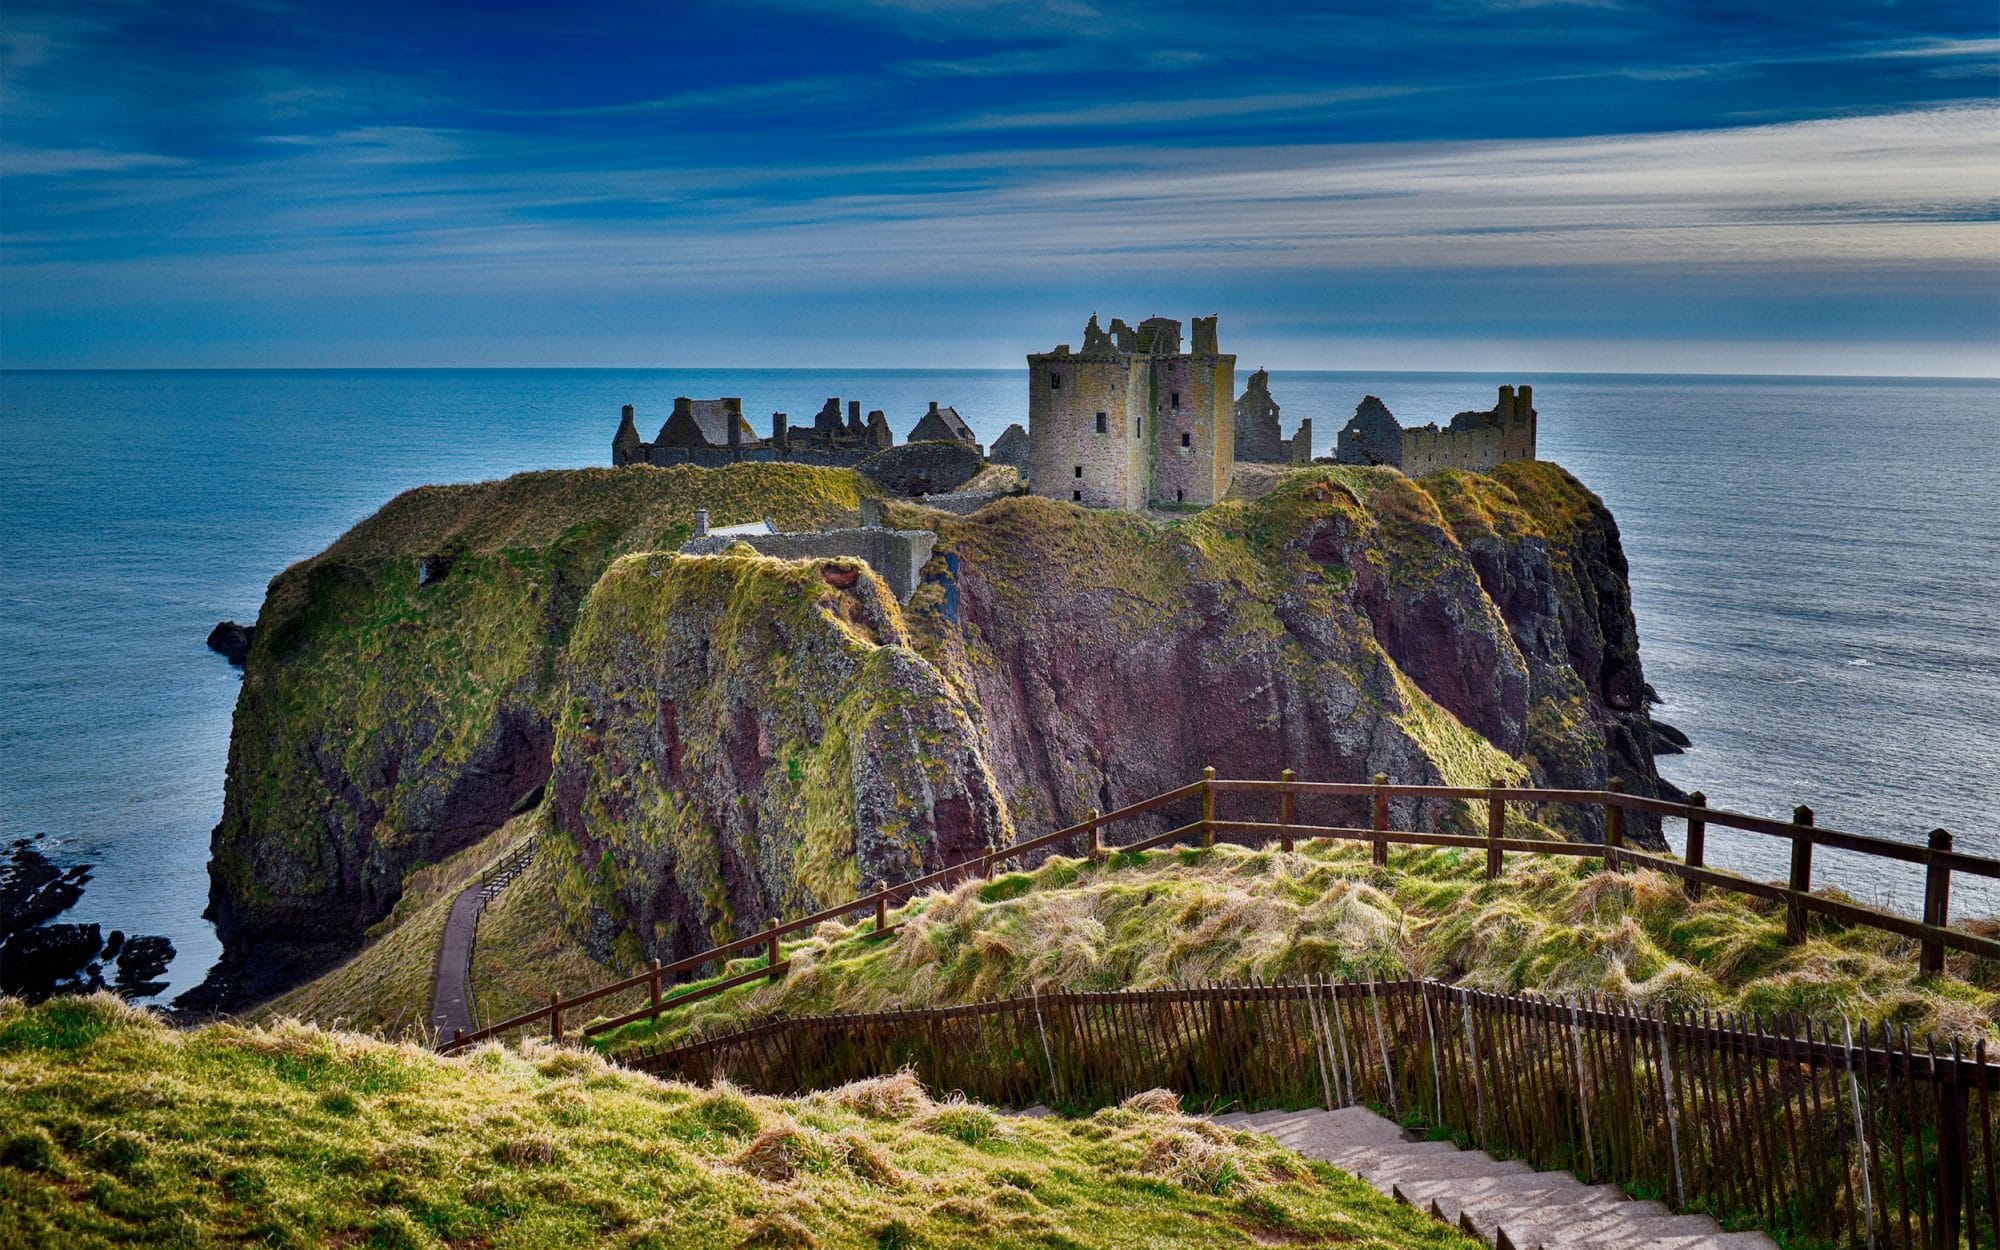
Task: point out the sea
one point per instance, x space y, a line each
1815 566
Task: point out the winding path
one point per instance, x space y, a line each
451 991
450 1009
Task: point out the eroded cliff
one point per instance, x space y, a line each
734 737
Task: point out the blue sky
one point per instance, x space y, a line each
1513 184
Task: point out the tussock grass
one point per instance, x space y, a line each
119 1130
1556 927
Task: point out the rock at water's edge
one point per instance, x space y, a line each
232 641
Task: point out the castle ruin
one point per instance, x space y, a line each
1477 442
1260 437
712 433
1132 421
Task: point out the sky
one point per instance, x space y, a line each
1751 187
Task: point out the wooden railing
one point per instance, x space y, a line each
1828 1136
1938 859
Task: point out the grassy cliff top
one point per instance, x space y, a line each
1555 927
117 1129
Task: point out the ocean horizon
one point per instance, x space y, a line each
1814 567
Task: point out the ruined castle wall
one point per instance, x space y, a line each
1194 416
1068 457
1429 450
897 556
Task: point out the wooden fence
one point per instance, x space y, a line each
1832 1138
1278 803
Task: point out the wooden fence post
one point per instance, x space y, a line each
1285 810
654 986
1096 842
1381 818
1496 825
771 949
457 1039
992 859
1801 880
881 907
1952 1142
1614 825
555 1016
1696 845
1208 806
1937 902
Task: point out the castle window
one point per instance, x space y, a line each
1177 401
1180 496
1100 424
1138 427
1055 381
1187 440
1076 496
1079 471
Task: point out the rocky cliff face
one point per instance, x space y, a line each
1454 630
746 738
734 737
398 699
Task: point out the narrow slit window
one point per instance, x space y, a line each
1138 427
1180 496
1079 471
1076 496
1055 381
1101 427
1187 440
1177 401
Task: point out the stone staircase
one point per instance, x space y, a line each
1508 1205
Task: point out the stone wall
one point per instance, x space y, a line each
897 556
1477 442
1194 406
1067 457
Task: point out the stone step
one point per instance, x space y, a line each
1552 1227
1649 1241
1611 1225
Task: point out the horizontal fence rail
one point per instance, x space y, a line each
1938 859
1833 1138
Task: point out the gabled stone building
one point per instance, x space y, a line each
1131 420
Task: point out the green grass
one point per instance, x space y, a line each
1553 926
119 1131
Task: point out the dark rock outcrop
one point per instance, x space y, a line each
33 889
1667 740
232 641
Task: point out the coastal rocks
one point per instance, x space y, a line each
399 701
38 959
1667 740
232 641
745 738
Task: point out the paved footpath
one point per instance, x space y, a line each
1505 1204
449 1010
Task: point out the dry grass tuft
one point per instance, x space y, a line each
1194 1162
1154 1102
775 1153
896 1097
537 1150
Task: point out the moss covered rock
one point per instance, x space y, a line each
399 699
745 738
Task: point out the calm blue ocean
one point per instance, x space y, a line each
1816 565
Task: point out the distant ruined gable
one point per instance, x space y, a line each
1479 441
1011 448
712 433
1260 435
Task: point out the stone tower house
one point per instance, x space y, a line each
1131 420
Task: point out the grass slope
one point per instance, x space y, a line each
1166 917
118 1130
386 988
